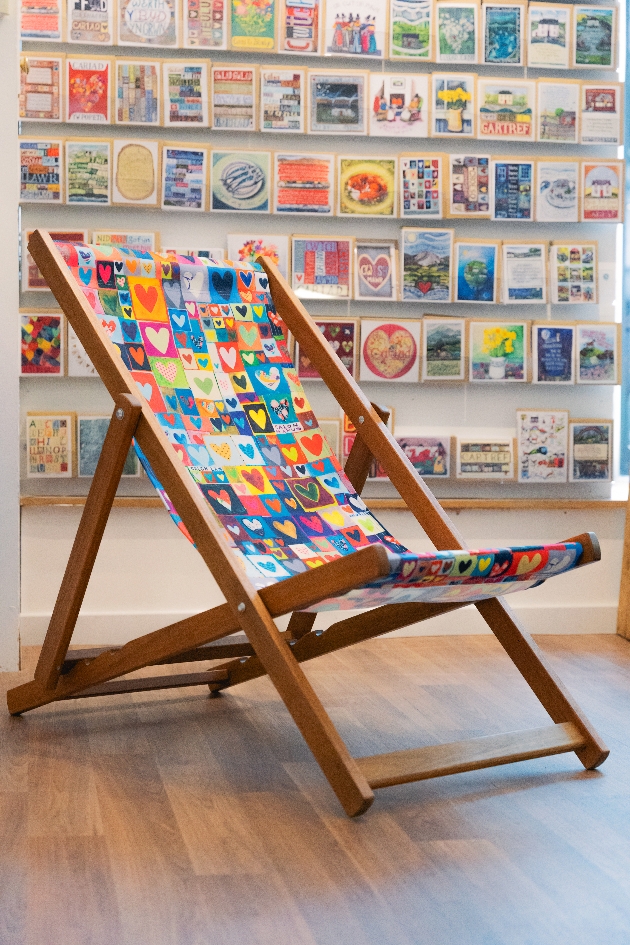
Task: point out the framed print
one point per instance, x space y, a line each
426 265
79 364
444 349
497 351
88 91
240 180
542 442
506 109
136 172
88 164
421 185
137 92
184 177
390 350
548 36
477 271
50 445
553 355
233 97
41 87
31 278
282 99
469 186
595 37
253 25
598 357
351 33
156 24
185 94
300 27
590 450
399 105
337 102
512 189
452 105
242 247
215 254
430 456
410 29
557 110
484 458
322 266
145 242
89 22
573 272
330 428
205 24
600 113
524 273
375 270
40 172
43 23
503 34
343 337
304 183
367 187
602 191
91 433
457 32
42 345
557 191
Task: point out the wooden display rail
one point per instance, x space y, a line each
515 505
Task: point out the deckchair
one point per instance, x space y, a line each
193 354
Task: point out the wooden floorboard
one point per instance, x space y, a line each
173 819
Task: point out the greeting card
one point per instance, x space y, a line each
503 34
137 92
512 189
595 37
600 116
484 458
444 351
240 180
390 350
498 351
557 191
90 22
32 279
549 36
375 270
40 87
205 25
79 364
186 94
88 91
136 172
184 178
233 96
282 99
553 353
421 185
457 32
558 104
469 185
49 445
243 247
304 183
506 109
41 343
476 271
453 105
348 32
410 29
88 172
399 105
602 191
337 102
300 25
524 273
367 187
590 450
542 440
598 349
343 337
573 272
155 23
41 22
322 266
426 265
253 25
40 172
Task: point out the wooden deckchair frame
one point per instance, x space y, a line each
264 649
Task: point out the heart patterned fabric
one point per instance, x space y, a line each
206 350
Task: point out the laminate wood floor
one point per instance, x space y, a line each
175 819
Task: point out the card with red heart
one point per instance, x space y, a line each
375 270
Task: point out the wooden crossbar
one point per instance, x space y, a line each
62 675
419 764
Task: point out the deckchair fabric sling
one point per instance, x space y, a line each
236 453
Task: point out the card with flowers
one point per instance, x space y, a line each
498 351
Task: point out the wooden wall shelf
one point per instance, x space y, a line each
514 505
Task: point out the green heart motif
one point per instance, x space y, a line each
205 385
308 492
334 330
248 334
106 250
248 356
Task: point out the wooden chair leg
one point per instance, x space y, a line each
121 430
540 677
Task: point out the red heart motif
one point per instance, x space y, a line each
255 478
315 523
319 466
274 504
170 418
147 297
109 326
105 271
314 444
181 338
223 497
187 358
137 354
299 402
425 287
91 297
374 272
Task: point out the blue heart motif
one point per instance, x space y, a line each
246 278
171 402
145 389
85 275
268 566
200 454
273 454
118 266
240 422
203 362
130 330
247 449
222 283
85 254
263 282
180 437
333 483
217 424
196 422
232 402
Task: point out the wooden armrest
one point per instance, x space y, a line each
591 550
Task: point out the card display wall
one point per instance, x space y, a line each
464 409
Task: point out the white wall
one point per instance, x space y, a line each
148 575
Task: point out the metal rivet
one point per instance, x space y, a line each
120 413
361 419
241 608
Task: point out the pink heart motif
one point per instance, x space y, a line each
168 370
374 272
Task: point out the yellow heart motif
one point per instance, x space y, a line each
484 563
335 518
287 528
290 452
259 417
223 449
526 564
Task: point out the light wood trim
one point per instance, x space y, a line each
109 469
511 505
623 612
419 764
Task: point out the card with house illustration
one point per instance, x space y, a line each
399 105
557 111
411 29
507 109
548 35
